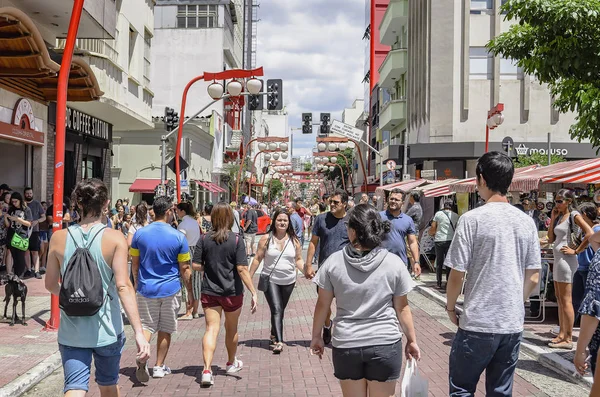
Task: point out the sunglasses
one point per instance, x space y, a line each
559 201
335 202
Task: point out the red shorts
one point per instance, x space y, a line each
228 303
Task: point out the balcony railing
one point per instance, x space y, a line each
94 46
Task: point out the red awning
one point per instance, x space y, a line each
144 185
470 185
211 187
581 171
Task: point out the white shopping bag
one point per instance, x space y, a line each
413 384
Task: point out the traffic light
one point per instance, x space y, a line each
256 102
307 123
171 119
275 94
325 123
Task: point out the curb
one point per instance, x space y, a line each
32 377
548 359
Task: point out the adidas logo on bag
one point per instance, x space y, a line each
78 297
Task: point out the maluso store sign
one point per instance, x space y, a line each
523 150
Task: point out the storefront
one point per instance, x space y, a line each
21 143
87 147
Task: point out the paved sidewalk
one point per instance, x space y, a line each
295 372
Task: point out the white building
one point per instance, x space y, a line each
28 89
189 39
440 82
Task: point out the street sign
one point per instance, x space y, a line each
391 165
337 127
405 177
185 186
428 174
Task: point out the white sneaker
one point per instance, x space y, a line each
235 367
160 372
207 379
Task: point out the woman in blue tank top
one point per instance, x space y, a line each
100 335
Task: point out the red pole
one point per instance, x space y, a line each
180 133
487 137
59 141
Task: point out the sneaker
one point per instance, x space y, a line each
42 270
160 372
234 367
38 275
327 334
27 274
141 373
207 378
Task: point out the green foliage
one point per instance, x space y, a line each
558 42
346 167
276 190
537 158
307 167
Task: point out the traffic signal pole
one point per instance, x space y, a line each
59 142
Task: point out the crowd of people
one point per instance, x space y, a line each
156 258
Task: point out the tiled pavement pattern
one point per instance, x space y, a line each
295 372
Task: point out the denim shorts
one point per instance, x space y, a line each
381 363
77 363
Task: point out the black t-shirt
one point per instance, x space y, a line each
16 227
220 264
251 216
50 212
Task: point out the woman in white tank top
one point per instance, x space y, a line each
282 254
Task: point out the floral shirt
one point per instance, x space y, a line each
591 299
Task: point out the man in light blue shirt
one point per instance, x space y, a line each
297 223
402 230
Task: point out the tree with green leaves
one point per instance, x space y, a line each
307 167
277 188
558 42
537 158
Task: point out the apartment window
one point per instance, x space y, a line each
132 39
509 70
197 16
482 4
147 49
480 63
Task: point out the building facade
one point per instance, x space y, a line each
29 82
189 38
439 82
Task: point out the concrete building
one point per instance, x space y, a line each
190 38
28 89
439 82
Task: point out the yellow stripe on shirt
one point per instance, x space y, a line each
134 252
184 257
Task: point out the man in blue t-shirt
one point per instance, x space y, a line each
402 230
331 234
159 257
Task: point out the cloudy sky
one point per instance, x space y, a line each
316 47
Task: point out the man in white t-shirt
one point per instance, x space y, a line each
497 245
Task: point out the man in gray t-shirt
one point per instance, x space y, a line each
39 215
497 247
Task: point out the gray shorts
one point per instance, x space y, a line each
381 363
159 314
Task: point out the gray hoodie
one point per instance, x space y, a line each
364 288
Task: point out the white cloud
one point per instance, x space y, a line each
316 47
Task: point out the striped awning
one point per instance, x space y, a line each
581 171
470 185
438 189
405 186
211 187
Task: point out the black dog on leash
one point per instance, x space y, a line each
15 288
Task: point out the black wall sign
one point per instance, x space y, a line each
83 124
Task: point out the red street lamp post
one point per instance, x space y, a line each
494 119
59 142
235 90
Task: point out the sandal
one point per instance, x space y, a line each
564 344
557 339
278 348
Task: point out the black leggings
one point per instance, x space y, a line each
441 250
278 297
18 258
